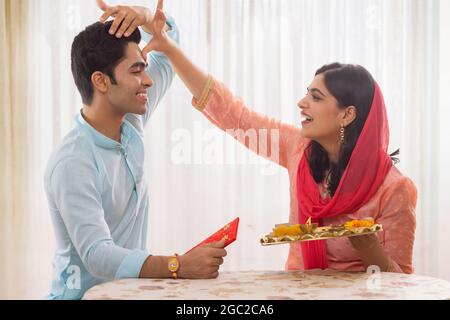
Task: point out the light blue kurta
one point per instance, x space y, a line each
98 197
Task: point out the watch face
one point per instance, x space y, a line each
173 265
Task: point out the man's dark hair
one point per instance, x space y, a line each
94 49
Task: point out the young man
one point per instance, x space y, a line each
95 181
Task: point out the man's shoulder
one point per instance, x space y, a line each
76 147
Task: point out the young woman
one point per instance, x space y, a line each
338 164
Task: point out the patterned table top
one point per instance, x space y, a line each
274 285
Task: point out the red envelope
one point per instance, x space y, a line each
228 232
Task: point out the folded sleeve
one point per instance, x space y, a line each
76 189
398 217
269 138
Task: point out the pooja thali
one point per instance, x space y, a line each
287 233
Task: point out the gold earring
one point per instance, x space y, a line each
341 135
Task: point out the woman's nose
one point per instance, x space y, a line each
301 104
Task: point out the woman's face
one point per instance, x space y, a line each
320 115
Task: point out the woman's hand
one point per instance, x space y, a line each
371 251
160 41
364 243
128 18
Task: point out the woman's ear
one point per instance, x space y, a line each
349 115
99 81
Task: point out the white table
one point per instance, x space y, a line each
274 285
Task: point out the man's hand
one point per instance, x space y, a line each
202 262
128 18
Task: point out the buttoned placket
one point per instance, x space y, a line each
121 150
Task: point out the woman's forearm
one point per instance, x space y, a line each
376 256
371 251
192 76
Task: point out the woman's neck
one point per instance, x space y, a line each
332 149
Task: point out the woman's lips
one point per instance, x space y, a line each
305 123
305 119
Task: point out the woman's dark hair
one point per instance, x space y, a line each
94 49
351 85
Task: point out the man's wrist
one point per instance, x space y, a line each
156 267
174 265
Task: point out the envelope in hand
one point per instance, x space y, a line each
228 233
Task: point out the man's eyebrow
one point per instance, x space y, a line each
139 65
316 90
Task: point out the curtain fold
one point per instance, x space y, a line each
442 152
13 145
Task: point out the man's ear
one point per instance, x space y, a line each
349 115
100 81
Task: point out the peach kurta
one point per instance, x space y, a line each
393 205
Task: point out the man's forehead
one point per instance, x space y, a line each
133 55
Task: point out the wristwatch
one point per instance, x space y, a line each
174 266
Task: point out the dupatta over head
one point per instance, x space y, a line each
368 166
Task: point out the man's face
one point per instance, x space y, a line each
129 95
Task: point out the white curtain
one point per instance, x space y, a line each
266 51
13 132
438 216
